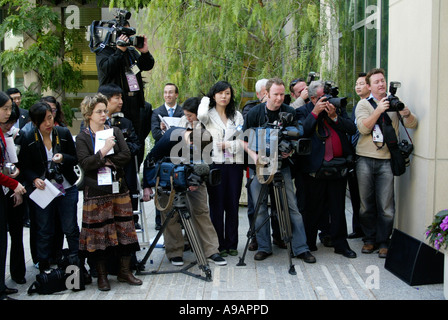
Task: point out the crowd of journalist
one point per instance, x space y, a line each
343 153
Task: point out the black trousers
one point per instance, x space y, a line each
15 219
325 201
3 241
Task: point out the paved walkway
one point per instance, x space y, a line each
333 277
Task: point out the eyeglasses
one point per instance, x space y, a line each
102 111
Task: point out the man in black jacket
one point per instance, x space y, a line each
113 94
16 97
328 127
169 109
259 116
123 66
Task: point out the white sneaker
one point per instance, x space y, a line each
177 261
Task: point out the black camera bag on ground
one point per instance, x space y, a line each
48 283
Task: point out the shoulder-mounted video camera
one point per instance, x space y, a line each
106 33
284 133
395 104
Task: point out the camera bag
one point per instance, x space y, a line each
336 168
48 283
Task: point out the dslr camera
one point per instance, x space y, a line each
331 93
406 149
107 33
54 173
312 76
9 168
395 104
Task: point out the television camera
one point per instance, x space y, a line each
167 175
107 33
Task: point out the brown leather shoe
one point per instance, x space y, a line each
368 248
383 253
253 246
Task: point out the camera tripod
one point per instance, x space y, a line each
281 202
180 207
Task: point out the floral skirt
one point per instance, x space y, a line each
108 222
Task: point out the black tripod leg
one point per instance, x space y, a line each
141 264
195 244
284 220
252 232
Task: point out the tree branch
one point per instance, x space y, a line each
210 4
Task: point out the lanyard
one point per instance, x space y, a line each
91 137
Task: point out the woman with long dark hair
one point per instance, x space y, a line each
6 179
218 114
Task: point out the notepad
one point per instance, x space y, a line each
43 197
100 140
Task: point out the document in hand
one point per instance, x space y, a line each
43 197
100 139
170 121
11 152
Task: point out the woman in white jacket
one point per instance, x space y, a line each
217 112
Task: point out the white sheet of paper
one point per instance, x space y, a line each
44 197
100 139
11 152
172 121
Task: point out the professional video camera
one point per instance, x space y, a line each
106 33
394 102
289 135
180 176
283 134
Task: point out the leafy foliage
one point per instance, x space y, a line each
197 43
437 232
50 54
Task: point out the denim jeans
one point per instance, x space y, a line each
298 242
376 190
64 208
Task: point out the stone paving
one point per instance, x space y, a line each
333 277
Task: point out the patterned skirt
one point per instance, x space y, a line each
107 223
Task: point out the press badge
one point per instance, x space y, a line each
135 69
132 81
377 134
104 176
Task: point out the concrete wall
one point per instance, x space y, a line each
418 57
